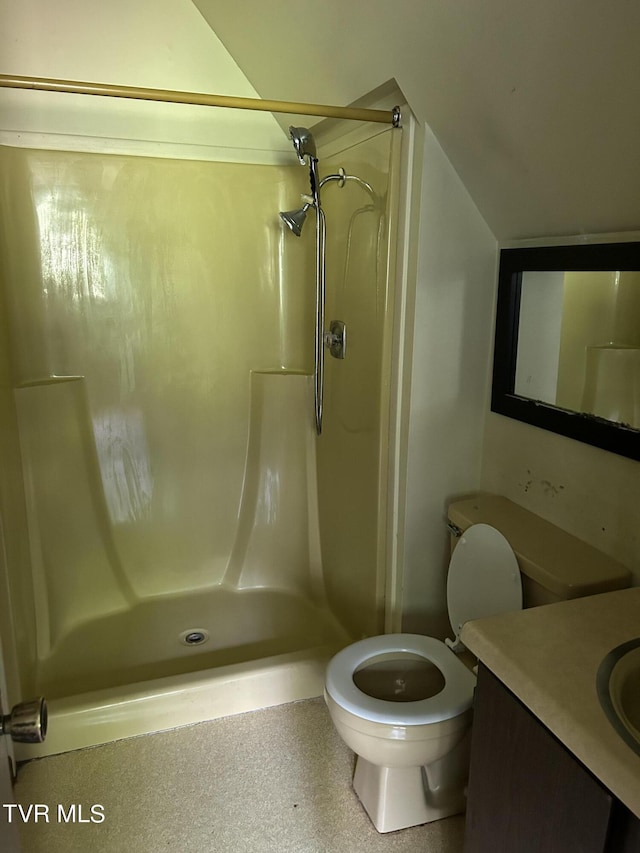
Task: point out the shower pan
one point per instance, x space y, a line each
173 551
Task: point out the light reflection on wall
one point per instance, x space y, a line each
125 467
74 261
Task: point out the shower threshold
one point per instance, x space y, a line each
116 713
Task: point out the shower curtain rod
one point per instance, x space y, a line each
47 84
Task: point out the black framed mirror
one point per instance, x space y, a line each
567 342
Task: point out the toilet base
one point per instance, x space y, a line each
400 797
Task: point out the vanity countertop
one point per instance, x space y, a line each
548 657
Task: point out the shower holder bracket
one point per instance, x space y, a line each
336 339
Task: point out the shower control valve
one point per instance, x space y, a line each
336 339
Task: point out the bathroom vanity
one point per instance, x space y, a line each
549 773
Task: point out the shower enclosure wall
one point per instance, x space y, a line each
177 540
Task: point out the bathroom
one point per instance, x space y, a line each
454 444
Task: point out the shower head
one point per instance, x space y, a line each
294 219
303 142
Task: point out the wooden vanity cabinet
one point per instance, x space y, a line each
528 793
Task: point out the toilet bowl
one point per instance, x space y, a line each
412 752
402 702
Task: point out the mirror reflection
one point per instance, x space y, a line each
578 343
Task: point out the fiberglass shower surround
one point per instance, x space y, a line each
180 544
335 337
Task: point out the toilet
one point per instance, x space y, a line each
402 702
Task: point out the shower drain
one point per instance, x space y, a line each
194 637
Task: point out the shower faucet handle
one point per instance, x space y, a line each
336 339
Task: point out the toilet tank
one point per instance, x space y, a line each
554 565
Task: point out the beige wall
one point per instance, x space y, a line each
589 492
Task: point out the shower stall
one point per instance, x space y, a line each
178 542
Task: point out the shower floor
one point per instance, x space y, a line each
145 642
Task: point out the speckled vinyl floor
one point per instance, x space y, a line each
273 780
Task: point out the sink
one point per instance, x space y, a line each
618 685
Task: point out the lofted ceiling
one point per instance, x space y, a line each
536 105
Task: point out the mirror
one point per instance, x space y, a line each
567 346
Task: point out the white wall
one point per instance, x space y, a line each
450 379
149 43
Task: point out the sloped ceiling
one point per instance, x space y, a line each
537 105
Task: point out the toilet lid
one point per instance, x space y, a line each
484 578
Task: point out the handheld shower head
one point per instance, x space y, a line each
303 142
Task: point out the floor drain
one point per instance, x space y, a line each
194 637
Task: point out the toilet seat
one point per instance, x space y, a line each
454 699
